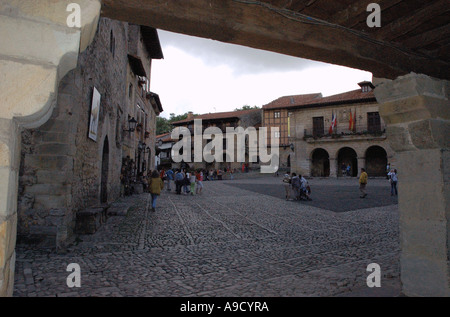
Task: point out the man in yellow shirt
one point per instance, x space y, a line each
363 182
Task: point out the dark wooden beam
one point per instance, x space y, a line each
255 25
357 12
412 20
428 37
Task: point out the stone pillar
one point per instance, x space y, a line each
361 164
416 109
38 49
333 167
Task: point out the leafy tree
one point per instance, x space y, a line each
164 125
246 107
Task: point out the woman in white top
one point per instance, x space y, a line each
393 180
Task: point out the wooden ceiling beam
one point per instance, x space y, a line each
412 20
428 37
357 12
251 24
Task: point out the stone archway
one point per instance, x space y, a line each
320 163
376 161
104 173
40 66
347 156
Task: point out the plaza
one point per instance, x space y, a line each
239 238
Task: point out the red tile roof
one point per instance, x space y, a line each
301 101
291 101
217 116
346 97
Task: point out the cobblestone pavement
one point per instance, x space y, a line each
229 241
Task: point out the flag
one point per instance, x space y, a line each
350 125
333 123
354 121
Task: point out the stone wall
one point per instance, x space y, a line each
60 170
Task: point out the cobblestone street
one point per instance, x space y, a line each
239 238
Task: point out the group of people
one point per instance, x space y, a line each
391 175
186 182
298 185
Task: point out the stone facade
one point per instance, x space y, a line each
64 174
222 120
308 148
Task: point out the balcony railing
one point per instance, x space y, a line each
338 132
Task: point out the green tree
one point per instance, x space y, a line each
164 125
246 107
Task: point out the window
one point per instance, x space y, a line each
277 134
277 114
318 127
373 122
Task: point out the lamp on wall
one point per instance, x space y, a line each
131 125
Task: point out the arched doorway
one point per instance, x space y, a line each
105 170
347 156
376 161
320 163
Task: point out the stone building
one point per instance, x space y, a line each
357 139
71 166
222 120
164 143
278 114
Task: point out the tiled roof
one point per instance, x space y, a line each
218 116
346 97
316 100
166 137
291 101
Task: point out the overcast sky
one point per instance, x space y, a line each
202 76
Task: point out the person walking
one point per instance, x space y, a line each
287 185
156 184
169 179
363 183
179 178
186 182
393 179
199 177
193 180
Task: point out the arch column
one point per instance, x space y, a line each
333 167
416 109
361 163
31 70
